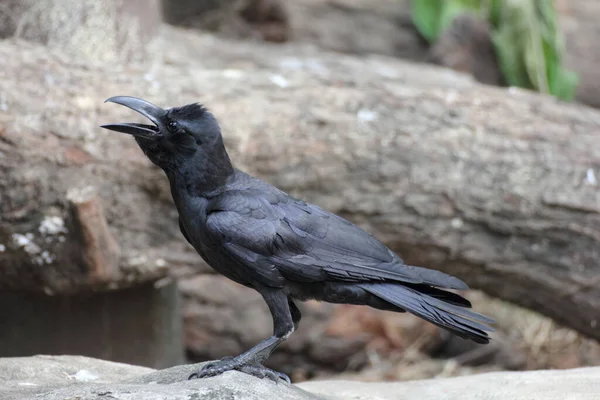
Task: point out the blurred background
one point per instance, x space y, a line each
462 133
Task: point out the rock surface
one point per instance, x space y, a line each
74 377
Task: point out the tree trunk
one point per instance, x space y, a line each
107 30
499 187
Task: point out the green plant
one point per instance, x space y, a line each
528 42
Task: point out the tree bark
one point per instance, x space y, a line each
498 187
107 30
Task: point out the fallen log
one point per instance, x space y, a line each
496 186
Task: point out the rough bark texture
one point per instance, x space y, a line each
111 30
496 186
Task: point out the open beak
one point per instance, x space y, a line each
147 109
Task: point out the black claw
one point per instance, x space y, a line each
260 371
285 378
229 363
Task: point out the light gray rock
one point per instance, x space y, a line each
571 384
82 378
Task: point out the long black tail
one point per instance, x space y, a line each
444 309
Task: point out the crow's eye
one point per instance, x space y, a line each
173 126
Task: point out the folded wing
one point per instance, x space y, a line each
279 237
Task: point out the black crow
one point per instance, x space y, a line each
284 248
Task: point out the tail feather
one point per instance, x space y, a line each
436 278
447 297
441 308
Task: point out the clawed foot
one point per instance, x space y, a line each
260 371
230 363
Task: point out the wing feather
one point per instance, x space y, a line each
282 237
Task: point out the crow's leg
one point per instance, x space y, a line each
250 362
296 315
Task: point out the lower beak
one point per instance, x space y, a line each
147 109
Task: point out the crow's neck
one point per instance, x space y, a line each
204 174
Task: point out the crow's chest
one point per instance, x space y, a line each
209 247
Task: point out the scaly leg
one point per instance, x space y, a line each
285 318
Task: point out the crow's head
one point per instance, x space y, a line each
177 134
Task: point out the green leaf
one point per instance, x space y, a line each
494 11
426 17
509 59
566 86
525 33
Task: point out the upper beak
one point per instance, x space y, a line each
147 109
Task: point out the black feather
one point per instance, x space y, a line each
457 319
261 237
